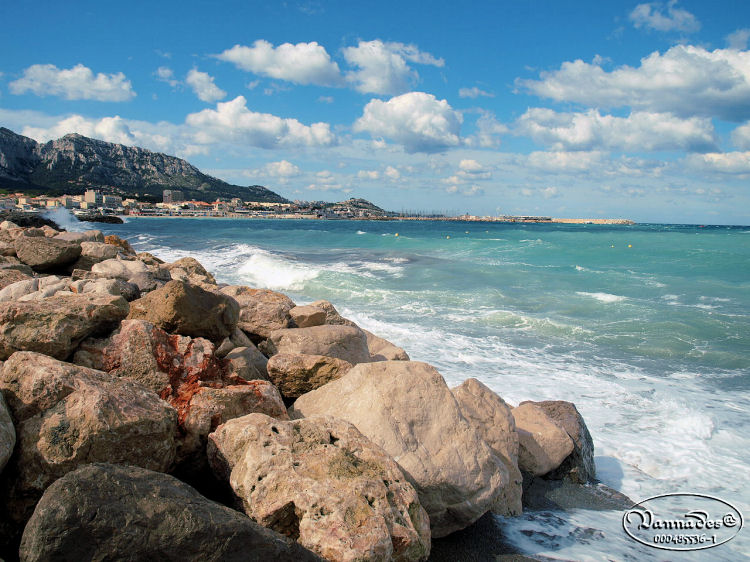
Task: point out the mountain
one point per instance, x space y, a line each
74 163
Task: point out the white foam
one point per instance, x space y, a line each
602 297
361 232
267 271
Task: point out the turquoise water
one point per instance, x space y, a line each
645 328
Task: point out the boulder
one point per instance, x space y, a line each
149 259
382 350
247 363
261 311
7 434
186 309
406 408
110 512
579 466
297 374
189 269
492 419
307 316
343 342
119 269
84 236
183 371
210 407
67 416
542 444
8 276
44 254
332 315
118 287
94 252
56 325
323 483
117 241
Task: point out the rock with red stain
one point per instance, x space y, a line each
56 325
188 310
150 356
210 407
67 416
323 483
261 311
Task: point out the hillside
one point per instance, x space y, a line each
75 163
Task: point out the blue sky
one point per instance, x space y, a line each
569 109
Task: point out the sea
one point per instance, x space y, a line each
646 328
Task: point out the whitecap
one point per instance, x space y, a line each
602 297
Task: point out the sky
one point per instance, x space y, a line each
584 109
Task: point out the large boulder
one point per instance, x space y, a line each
579 465
83 236
93 253
542 444
343 342
67 416
43 254
119 242
56 325
110 512
492 419
261 311
406 408
114 268
188 310
382 350
7 434
296 374
321 482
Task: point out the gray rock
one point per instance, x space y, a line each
84 236
247 363
43 254
7 434
109 512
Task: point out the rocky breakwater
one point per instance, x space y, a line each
143 410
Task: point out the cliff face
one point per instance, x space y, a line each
75 163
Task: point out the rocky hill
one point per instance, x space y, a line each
75 163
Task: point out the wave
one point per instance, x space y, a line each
602 297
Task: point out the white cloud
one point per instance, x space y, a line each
77 83
165 74
303 63
664 17
685 80
232 121
569 162
392 173
725 163
739 39
474 93
550 192
418 121
640 131
488 131
203 86
741 137
368 174
383 67
282 169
